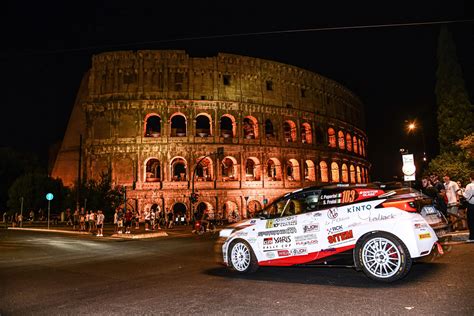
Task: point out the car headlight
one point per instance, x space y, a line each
226 232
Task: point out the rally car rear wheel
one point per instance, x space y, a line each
383 257
241 257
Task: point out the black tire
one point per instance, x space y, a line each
383 257
238 251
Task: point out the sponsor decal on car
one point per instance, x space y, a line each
332 213
359 208
303 240
289 230
339 237
281 222
335 229
381 217
252 240
365 194
337 220
241 234
420 225
253 221
313 227
299 251
276 242
270 254
424 236
283 253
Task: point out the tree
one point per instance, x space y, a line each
455 112
101 195
33 187
12 165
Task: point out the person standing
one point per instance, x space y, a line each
100 223
137 220
147 219
452 188
170 219
469 195
128 221
91 221
116 221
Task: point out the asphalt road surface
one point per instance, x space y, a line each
50 274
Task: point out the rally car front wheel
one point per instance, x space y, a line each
241 257
383 257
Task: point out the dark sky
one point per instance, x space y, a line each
48 47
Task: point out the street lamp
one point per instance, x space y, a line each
412 127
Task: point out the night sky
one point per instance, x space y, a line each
48 48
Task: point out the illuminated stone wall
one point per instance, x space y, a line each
151 115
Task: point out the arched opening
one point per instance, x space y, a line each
362 148
323 167
253 208
227 126
203 125
252 169
345 173
352 174
179 212
348 142
250 126
341 140
274 169
204 207
334 172
229 169
306 134
178 169
332 137
319 135
359 180
231 212
289 131
309 171
354 143
152 170
205 170
178 125
269 131
293 170
152 126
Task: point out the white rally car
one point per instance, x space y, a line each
381 226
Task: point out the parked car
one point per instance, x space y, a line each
383 227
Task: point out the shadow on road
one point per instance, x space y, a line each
334 276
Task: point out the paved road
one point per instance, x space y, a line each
47 273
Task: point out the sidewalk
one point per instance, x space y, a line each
108 230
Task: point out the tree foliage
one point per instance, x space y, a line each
100 194
33 187
455 112
12 165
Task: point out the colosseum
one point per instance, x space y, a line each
238 130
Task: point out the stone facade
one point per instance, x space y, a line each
148 117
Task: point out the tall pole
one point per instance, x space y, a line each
21 212
49 203
78 193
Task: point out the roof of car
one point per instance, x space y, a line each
372 185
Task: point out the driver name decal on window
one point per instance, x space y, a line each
334 198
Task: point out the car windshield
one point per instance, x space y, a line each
292 204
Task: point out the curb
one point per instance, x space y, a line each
50 230
140 236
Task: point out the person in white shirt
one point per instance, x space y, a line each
469 195
100 223
452 188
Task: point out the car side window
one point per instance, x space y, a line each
306 202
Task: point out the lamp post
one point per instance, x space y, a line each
412 127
